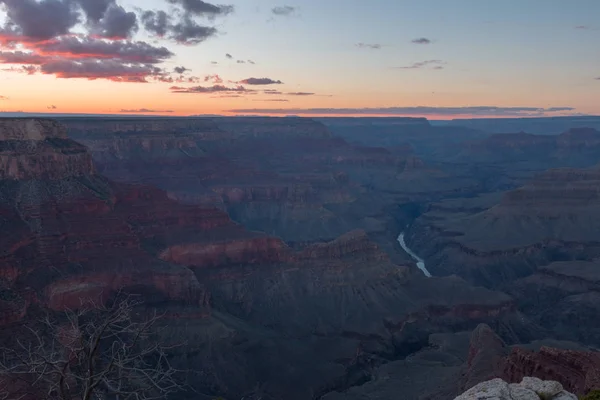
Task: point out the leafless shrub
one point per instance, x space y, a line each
98 352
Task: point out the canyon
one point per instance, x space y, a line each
272 247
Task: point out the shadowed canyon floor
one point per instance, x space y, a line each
271 245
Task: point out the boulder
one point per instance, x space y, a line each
528 389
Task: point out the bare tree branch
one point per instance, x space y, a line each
96 352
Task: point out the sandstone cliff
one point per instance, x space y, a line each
39 149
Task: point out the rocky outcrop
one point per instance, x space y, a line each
39 149
27 129
351 244
528 389
578 371
486 357
244 251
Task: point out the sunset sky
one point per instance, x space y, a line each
434 58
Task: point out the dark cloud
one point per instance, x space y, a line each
95 9
21 57
209 89
145 110
251 62
156 22
229 56
421 40
373 46
271 91
582 27
435 64
52 107
117 23
30 20
241 62
214 62
407 111
274 100
87 47
283 11
180 70
92 69
260 81
300 94
189 32
185 30
598 78
199 7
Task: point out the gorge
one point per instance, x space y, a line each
271 246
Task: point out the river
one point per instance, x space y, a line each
419 260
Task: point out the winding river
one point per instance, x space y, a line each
419 260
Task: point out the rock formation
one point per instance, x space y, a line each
528 389
253 306
39 149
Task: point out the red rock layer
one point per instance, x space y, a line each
258 250
353 244
579 372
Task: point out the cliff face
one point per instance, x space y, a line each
578 371
39 149
83 127
27 129
551 218
74 235
574 147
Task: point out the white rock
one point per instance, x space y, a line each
545 389
528 389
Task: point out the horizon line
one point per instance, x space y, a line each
24 114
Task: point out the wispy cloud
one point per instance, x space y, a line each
372 46
210 89
582 27
260 81
283 11
226 96
435 64
228 56
145 110
3 98
273 100
52 107
215 78
421 40
421 110
300 94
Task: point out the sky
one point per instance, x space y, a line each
435 58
